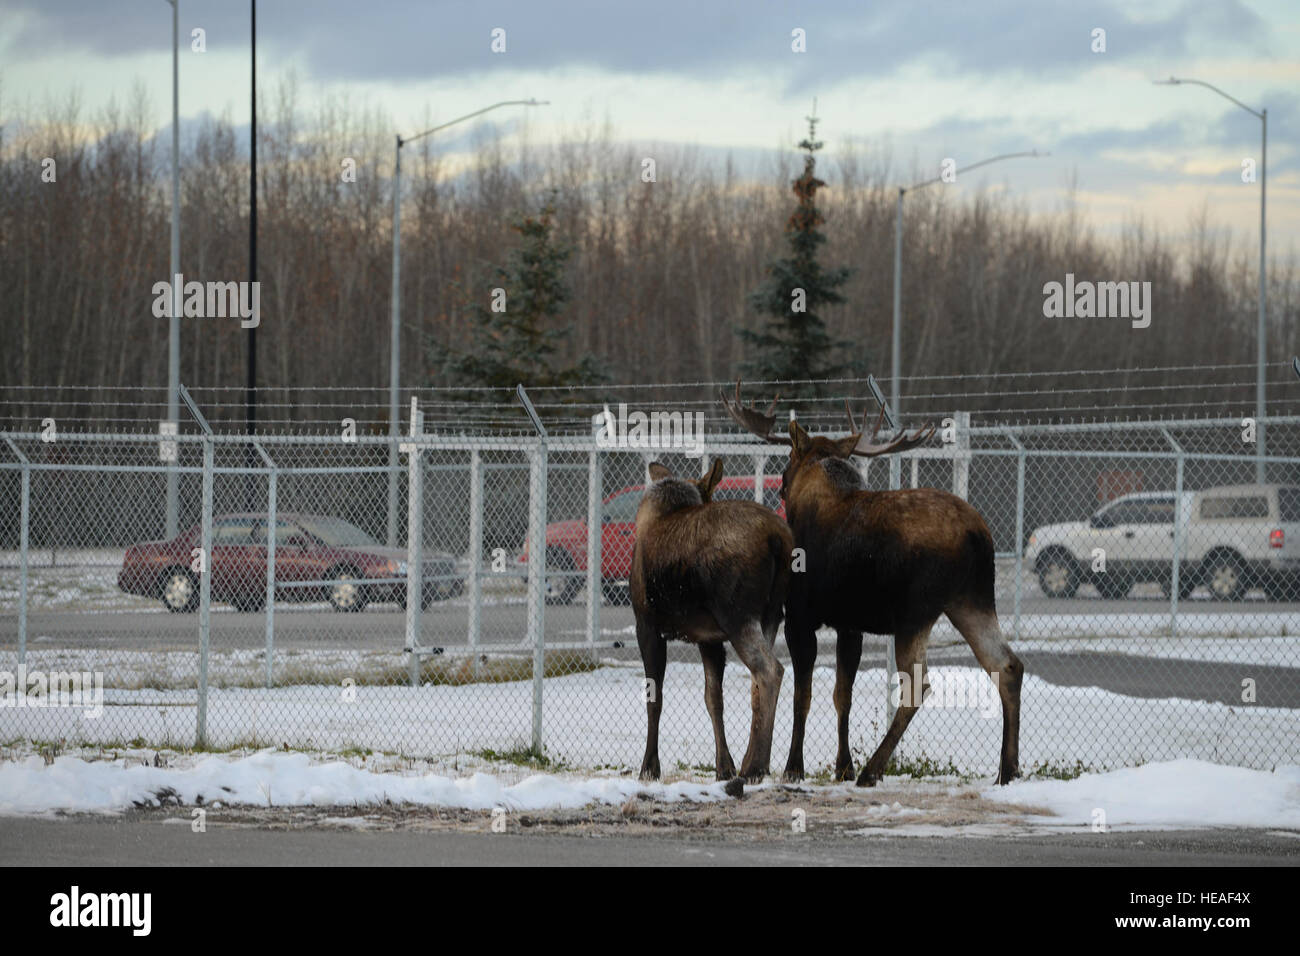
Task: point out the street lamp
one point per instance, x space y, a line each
395 358
897 345
1261 343
174 322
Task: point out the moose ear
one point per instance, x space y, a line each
658 472
844 446
710 481
798 437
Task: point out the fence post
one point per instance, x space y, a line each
475 555
537 465
1174 585
414 542
205 576
760 475
961 456
270 561
1020 526
891 654
23 544
25 519
205 593
595 534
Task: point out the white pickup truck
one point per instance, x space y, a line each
1235 538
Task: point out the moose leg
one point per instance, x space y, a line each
980 628
714 657
801 639
848 654
654 658
765 674
909 653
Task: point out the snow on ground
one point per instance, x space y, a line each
1174 793
596 719
296 779
1180 793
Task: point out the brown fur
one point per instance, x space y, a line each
885 562
709 572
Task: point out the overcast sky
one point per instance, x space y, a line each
921 80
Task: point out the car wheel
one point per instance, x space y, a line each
179 590
347 594
1058 574
1113 586
560 588
616 593
426 599
252 602
1225 577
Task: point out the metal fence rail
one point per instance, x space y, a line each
1146 576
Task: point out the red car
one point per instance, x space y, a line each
566 541
316 558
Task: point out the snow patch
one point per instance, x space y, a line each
1172 793
291 779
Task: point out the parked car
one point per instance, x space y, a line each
1235 538
566 541
316 558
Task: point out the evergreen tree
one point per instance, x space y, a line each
521 343
792 342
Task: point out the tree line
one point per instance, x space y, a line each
673 280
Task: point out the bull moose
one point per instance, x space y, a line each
710 572
881 562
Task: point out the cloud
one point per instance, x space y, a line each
403 40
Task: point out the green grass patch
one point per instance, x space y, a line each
923 766
1050 770
521 757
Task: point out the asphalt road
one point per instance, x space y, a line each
148 841
504 623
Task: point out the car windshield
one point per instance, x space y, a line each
623 507
338 533
1288 502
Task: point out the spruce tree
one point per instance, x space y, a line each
521 343
792 342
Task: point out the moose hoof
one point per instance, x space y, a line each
735 787
793 775
650 771
868 779
1006 775
844 772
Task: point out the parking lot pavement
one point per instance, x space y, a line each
149 841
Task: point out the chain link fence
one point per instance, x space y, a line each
1148 575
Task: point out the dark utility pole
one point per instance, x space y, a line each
250 383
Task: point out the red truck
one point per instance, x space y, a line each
566 541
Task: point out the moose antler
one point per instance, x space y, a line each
900 442
751 419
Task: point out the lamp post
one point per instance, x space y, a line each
1260 333
395 356
897 343
174 321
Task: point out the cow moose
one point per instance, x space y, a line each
881 562
710 572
